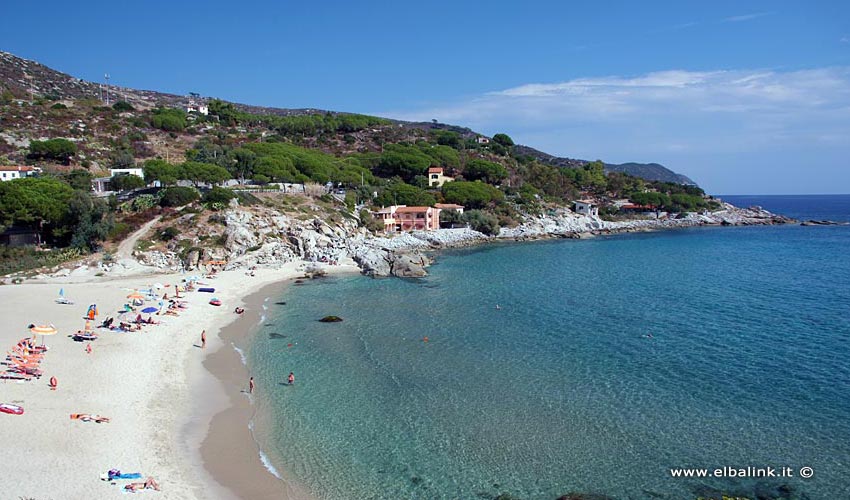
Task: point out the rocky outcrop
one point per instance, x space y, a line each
408 265
260 236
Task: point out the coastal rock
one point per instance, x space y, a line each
192 260
240 236
331 319
408 265
373 262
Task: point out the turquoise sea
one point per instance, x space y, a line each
560 389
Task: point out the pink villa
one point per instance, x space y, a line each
404 218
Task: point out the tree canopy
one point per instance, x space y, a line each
400 193
484 170
53 149
471 194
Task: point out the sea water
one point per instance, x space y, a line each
528 369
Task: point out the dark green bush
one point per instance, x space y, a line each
482 222
219 195
169 233
177 196
123 106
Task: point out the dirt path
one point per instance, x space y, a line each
125 249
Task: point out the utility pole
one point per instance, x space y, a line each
106 76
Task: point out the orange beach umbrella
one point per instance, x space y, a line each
136 295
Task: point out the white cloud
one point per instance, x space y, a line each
677 117
745 17
752 95
845 39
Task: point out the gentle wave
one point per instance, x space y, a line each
241 354
268 465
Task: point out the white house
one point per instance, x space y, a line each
138 172
198 108
586 207
482 140
436 177
9 173
449 206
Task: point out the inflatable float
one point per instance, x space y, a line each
12 409
207 290
215 302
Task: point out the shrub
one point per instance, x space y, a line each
169 120
177 196
58 105
53 149
123 106
169 233
219 195
482 222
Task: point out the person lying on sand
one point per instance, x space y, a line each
149 484
85 417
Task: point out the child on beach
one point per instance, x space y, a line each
203 339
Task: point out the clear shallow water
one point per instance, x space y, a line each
558 391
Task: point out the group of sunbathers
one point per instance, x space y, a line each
23 361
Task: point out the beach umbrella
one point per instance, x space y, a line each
136 295
149 310
61 292
43 330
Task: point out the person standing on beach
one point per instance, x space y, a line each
88 348
203 339
291 378
251 386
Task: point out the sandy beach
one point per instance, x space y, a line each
152 384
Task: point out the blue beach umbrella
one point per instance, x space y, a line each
150 310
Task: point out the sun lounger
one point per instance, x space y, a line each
15 376
34 372
63 300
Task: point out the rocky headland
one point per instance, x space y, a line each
265 238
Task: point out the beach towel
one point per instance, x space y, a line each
117 474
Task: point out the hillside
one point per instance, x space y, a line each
24 79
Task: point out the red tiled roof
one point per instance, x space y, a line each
408 210
435 170
16 168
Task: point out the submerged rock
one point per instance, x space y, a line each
331 319
584 496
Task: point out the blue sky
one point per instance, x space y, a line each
743 97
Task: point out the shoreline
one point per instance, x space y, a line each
229 451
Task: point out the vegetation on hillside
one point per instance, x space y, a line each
377 161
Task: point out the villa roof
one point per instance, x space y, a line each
408 210
447 205
16 168
435 170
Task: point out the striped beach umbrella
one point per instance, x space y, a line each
43 330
